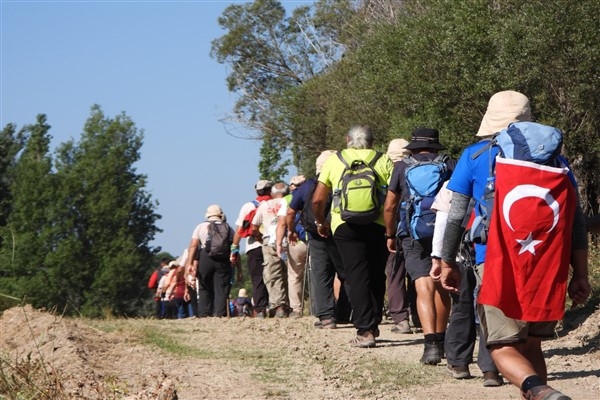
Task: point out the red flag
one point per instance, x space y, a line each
529 243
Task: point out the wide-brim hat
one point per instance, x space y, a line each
213 210
242 293
263 184
503 109
397 149
322 158
425 138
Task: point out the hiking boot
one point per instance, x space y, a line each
441 349
459 371
402 327
296 314
363 341
280 312
431 354
544 392
260 314
326 324
492 379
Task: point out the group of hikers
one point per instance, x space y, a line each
418 227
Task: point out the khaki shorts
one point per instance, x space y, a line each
499 329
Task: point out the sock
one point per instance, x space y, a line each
531 382
430 338
440 337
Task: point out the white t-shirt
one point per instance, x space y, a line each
251 242
266 217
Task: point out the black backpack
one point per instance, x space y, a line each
307 217
218 243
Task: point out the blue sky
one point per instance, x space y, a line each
151 60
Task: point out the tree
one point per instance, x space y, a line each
11 143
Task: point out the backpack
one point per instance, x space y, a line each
359 196
424 180
155 278
246 229
218 243
524 141
307 217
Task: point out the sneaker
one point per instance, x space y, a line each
544 392
363 341
431 354
492 379
280 312
326 324
260 314
402 327
459 371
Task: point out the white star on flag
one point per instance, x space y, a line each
528 244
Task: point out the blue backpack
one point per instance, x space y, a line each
424 180
525 141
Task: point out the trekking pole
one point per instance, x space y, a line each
307 279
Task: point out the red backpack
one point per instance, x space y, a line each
246 229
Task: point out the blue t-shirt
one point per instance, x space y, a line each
470 177
299 197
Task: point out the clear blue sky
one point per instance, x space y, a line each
151 60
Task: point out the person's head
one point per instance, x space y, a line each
214 213
503 109
397 149
296 181
164 262
425 140
279 190
322 158
263 187
360 137
173 264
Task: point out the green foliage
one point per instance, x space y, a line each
79 234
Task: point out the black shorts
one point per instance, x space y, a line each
417 256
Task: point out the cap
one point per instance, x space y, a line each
503 109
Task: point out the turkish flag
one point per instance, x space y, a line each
529 243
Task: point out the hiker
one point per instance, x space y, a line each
253 248
167 286
213 238
514 343
428 168
292 250
175 293
401 299
242 304
264 226
153 281
357 177
463 326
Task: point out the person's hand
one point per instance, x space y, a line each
436 269
579 290
292 238
279 248
186 296
391 245
324 230
450 277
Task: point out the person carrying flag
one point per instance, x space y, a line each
515 316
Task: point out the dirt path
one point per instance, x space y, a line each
261 359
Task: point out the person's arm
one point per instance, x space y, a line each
579 287
319 201
390 218
441 219
279 235
193 247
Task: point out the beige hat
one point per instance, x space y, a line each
173 264
297 180
503 109
322 158
396 149
242 293
213 211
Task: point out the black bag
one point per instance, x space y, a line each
218 243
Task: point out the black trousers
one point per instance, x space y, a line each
260 295
214 278
461 335
364 254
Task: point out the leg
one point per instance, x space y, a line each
296 265
260 294
321 278
396 286
221 284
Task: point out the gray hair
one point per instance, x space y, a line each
360 137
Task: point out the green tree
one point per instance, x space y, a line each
26 244
107 221
11 143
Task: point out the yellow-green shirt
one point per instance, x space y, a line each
332 170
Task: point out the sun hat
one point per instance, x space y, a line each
242 293
213 210
297 180
322 158
425 138
397 149
262 184
503 109
173 264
